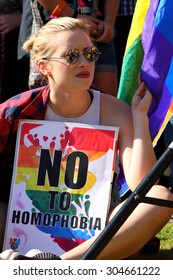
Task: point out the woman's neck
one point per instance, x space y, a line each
70 106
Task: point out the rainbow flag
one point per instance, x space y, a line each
149 51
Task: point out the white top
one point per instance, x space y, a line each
91 116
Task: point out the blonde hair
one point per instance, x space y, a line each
40 44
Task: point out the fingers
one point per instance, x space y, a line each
141 88
144 91
139 79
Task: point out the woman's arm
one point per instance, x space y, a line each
135 148
138 162
69 12
50 6
111 10
106 27
143 156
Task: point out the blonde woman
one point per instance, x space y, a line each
65 55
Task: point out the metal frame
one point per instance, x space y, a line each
131 203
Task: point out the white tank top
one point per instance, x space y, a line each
91 116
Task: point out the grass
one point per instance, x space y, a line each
166 237
166 245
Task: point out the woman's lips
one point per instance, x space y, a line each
83 75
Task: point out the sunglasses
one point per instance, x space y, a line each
91 54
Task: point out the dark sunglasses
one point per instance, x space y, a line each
91 54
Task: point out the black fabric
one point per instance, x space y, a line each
41 256
9 6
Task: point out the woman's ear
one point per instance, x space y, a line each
43 67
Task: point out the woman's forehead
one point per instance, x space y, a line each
64 40
71 37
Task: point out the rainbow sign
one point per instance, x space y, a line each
61 185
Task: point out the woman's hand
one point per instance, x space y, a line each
105 32
93 23
141 100
100 30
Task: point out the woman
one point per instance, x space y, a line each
65 55
101 16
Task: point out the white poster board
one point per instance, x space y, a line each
61 185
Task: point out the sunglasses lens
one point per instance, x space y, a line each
92 54
72 56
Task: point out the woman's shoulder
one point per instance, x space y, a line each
114 110
111 102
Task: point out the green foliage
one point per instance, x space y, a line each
166 237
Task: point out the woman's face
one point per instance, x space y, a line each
71 76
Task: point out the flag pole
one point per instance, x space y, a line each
131 203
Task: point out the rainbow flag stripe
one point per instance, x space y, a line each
149 51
